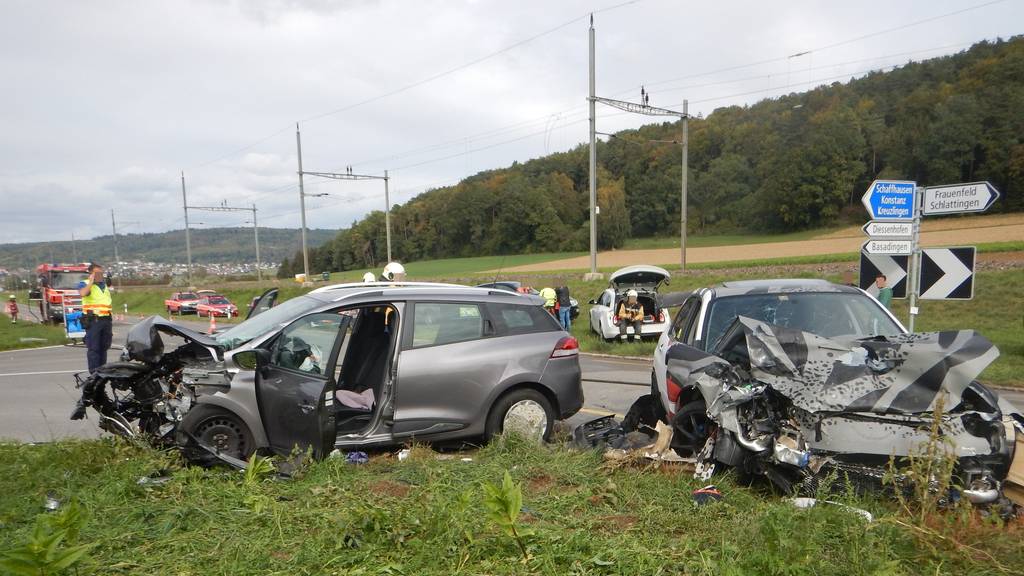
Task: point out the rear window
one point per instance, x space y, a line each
436 323
522 319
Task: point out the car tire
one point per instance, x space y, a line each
522 409
218 428
691 428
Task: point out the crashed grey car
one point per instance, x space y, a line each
795 379
347 366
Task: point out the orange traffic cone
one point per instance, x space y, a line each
213 324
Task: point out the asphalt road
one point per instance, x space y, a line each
39 390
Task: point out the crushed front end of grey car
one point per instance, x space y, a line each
795 407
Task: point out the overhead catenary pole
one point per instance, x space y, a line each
348 174
682 205
387 213
256 233
113 226
188 239
915 259
593 155
302 207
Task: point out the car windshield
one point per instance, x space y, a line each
827 314
187 296
265 322
67 280
218 300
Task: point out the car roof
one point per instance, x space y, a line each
417 291
782 285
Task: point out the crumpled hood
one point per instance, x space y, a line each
902 374
145 344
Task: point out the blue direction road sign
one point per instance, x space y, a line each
890 200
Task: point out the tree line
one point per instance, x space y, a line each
784 164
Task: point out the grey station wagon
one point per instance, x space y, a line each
355 365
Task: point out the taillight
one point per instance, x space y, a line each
566 347
615 319
673 389
661 316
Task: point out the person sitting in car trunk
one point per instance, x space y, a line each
631 313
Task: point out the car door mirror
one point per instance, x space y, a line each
592 302
255 359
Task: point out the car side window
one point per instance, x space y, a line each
436 323
306 344
522 319
683 318
606 299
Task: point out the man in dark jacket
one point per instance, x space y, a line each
564 306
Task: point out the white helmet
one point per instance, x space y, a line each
393 269
369 277
631 294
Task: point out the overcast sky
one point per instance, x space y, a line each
104 103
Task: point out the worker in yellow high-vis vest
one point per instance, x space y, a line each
96 307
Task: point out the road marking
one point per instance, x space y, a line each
41 373
36 348
601 412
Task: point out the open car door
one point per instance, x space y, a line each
263 303
295 390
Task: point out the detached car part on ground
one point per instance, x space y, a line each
349 366
794 406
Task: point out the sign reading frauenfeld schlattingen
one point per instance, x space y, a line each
958 198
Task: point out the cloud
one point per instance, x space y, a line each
108 103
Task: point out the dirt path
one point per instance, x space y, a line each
943 233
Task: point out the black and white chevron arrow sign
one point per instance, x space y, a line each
895 270
947 273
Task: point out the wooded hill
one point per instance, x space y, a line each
209 245
794 162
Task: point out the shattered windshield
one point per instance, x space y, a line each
827 314
265 322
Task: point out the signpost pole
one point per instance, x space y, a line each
915 259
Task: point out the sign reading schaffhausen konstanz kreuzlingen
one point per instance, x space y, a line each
890 200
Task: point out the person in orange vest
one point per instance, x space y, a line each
12 308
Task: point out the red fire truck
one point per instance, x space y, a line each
58 284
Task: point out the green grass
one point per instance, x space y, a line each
461 266
426 515
27 334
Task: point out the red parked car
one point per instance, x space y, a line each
182 303
216 305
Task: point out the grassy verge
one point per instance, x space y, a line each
26 334
427 515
